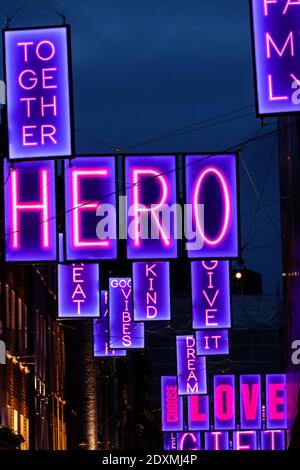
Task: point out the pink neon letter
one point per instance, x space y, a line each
270 42
79 206
239 435
291 3
41 206
154 207
275 401
266 2
272 97
196 415
224 402
226 204
250 402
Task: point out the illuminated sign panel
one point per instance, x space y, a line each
216 440
250 401
273 439
170 441
198 412
151 291
191 369
171 405
211 295
38 95
90 200
245 440
211 189
224 402
151 199
276 47
124 333
101 337
276 405
188 441
212 342
30 212
78 291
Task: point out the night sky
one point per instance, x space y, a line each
146 68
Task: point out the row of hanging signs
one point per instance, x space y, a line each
170 206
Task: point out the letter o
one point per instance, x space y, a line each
51 53
226 203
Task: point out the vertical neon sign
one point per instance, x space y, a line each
224 402
198 412
38 95
151 291
90 200
275 26
30 212
273 439
245 440
170 441
151 199
276 404
188 441
211 182
191 369
216 440
171 405
250 401
101 337
211 295
124 333
78 291
212 342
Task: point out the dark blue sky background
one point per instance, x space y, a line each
142 68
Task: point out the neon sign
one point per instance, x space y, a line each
171 405
225 429
30 213
151 291
276 403
101 337
217 440
151 192
198 412
191 369
250 401
224 402
211 181
90 200
273 439
275 27
38 95
78 291
245 440
124 333
170 441
210 295
188 441
210 342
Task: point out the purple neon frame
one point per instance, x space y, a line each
199 386
89 275
278 27
91 190
221 170
121 300
171 424
151 292
32 225
59 35
217 294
